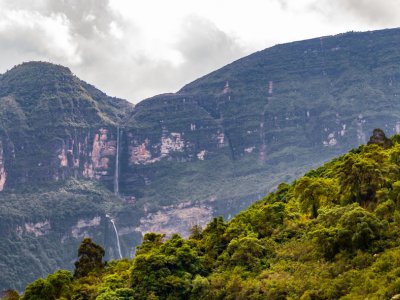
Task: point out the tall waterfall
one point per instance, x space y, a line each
116 234
116 175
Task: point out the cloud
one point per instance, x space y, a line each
283 3
106 49
131 50
205 47
199 49
383 13
26 32
83 35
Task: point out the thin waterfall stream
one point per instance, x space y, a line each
116 234
116 175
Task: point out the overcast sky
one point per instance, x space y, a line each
136 49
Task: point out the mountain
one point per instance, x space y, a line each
331 234
48 121
176 160
265 118
55 137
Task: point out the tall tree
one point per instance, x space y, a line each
90 258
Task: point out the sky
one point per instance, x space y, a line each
135 49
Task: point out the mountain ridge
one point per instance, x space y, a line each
211 149
46 80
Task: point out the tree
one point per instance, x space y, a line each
359 178
363 227
150 241
9 295
196 232
349 228
90 258
247 252
214 241
312 193
61 282
56 286
165 270
39 290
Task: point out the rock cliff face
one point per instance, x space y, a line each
212 148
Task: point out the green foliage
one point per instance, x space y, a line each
61 282
347 228
56 286
359 178
90 256
324 94
334 233
150 241
38 290
312 193
249 252
166 270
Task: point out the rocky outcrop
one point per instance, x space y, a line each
37 229
80 229
176 219
378 137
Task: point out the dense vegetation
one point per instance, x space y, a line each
41 229
261 120
333 233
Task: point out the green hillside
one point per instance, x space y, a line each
174 160
331 234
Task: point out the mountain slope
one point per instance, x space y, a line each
57 135
332 234
40 229
211 149
50 95
47 118
263 119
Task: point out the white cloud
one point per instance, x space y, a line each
371 12
41 37
134 49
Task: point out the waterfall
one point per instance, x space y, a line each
116 175
116 234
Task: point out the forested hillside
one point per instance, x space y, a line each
333 233
174 160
